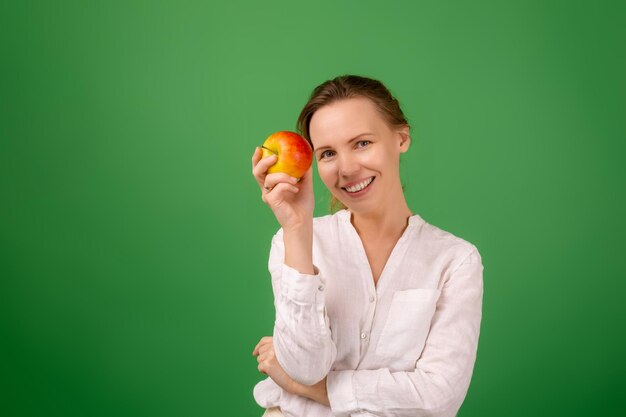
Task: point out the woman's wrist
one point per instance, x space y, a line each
299 225
317 392
299 248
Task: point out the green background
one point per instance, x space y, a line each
134 243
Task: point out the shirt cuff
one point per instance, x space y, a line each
341 395
302 288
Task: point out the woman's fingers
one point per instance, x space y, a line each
256 156
264 350
259 169
264 340
271 180
266 353
260 349
256 348
262 357
276 195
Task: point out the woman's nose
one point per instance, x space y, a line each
348 165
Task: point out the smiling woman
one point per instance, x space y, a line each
377 311
347 87
364 164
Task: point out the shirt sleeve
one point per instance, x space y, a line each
438 384
302 336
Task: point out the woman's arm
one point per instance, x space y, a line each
292 202
438 384
302 338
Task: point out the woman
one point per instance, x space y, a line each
377 312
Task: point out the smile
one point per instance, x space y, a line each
360 186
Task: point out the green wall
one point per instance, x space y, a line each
134 243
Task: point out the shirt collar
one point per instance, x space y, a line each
344 215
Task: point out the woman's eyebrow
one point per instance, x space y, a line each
350 141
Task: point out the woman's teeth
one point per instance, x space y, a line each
359 186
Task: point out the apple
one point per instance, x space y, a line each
294 153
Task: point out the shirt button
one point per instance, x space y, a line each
321 288
372 298
363 335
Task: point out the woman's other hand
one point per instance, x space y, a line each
268 364
264 351
292 201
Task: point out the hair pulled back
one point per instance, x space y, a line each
351 86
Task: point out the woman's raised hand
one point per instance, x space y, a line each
291 200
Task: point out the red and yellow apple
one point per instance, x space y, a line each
294 153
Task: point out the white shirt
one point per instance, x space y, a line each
403 347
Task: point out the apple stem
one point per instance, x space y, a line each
275 153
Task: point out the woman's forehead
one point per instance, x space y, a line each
343 120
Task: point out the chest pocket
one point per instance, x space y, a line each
407 324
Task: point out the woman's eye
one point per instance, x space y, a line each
362 143
326 154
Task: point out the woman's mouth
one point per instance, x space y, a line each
362 186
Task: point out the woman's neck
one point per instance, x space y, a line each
388 222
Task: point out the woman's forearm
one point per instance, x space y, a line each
317 392
299 247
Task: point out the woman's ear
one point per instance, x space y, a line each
405 139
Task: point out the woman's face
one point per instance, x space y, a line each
358 154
